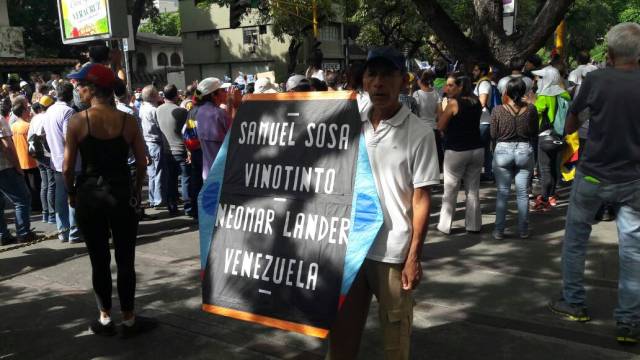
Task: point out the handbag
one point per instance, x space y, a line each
549 141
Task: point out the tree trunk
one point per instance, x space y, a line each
294 48
489 43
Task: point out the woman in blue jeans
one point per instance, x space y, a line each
514 125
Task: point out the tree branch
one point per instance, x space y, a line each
544 25
450 33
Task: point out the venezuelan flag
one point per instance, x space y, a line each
569 160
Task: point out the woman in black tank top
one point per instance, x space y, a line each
102 192
464 153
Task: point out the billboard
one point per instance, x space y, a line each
88 20
288 212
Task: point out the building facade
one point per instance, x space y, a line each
212 48
166 6
157 57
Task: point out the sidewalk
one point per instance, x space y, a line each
480 299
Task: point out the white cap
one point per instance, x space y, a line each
23 83
295 81
264 86
550 82
208 85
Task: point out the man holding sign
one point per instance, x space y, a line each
404 161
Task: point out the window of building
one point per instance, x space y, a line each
250 36
141 61
162 59
176 60
262 29
330 33
208 35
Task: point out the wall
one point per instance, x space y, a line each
4 13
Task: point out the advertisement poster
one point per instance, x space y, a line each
84 18
289 211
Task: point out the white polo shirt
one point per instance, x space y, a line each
403 156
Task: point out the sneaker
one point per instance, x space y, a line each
540 205
29 237
8 240
569 311
627 333
498 235
97 328
140 326
553 201
525 235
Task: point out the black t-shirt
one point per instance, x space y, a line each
612 152
463 131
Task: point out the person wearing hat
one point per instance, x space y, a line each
298 83
25 89
550 92
213 121
404 162
102 193
39 148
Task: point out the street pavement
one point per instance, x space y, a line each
480 299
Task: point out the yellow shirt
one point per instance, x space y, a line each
20 129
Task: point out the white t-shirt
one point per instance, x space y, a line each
5 132
578 75
502 84
428 103
484 88
403 157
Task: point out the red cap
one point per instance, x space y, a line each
96 74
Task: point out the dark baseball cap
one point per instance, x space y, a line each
391 55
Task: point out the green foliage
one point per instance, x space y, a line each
631 14
41 27
167 24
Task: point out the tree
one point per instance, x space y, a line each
139 10
389 22
485 39
167 24
290 21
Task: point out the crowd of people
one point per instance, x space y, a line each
79 149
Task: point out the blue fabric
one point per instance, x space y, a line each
65 214
366 218
512 160
208 201
586 198
13 186
155 173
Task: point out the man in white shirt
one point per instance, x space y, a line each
55 128
404 162
576 77
516 72
153 139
